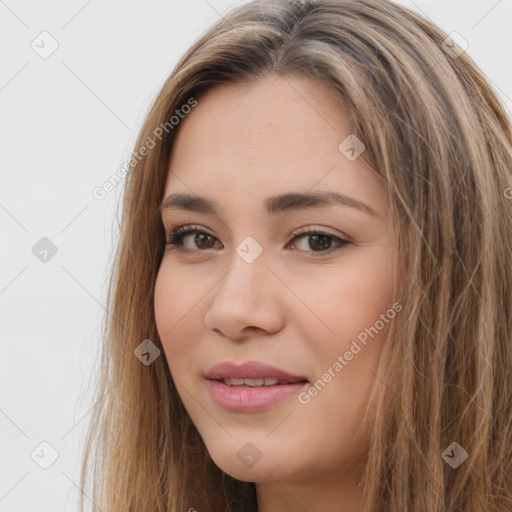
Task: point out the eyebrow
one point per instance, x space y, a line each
273 205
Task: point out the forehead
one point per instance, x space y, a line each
253 140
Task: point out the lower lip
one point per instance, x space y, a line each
251 399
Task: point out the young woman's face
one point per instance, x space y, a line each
277 272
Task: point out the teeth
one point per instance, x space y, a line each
262 381
253 382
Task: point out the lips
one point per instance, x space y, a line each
251 374
251 386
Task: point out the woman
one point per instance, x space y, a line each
310 307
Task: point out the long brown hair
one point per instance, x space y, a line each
438 138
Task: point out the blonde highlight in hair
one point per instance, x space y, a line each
438 139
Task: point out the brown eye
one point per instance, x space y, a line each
189 238
204 240
317 241
320 242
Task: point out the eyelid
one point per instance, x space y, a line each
180 228
312 228
179 232
308 228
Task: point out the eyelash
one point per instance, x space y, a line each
176 236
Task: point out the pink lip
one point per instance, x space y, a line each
251 399
249 370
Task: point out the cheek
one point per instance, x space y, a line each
177 304
346 300
351 302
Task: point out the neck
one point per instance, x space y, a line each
326 493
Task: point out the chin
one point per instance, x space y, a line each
245 462
245 475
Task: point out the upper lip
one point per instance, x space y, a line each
249 370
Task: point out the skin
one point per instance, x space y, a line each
294 307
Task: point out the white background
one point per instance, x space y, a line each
67 123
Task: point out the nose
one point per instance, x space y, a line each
246 301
